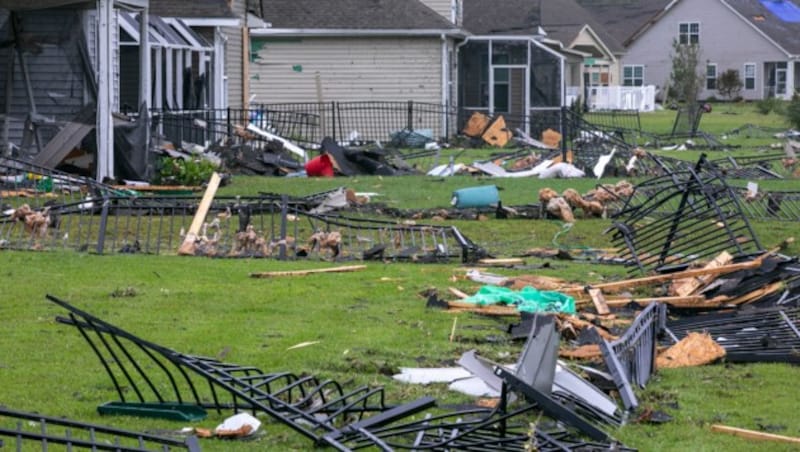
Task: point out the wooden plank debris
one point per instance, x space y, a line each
187 248
599 301
501 262
491 310
753 434
346 268
687 286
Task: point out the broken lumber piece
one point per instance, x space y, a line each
346 268
501 262
692 301
188 246
579 292
753 434
457 292
687 286
599 301
492 310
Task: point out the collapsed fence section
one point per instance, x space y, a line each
146 374
260 226
705 218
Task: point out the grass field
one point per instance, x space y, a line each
363 326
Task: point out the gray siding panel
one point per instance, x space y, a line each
54 69
348 69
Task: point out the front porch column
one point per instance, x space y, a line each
105 90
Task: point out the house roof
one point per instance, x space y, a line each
191 9
562 20
353 15
785 33
624 18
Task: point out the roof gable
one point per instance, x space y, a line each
782 28
624 18
352 15
562 20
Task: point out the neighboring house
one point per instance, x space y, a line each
223 25
760 39
60 65
351 50
522 54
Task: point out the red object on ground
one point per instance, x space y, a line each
320 166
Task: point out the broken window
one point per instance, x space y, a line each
689 33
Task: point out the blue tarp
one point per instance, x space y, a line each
785 10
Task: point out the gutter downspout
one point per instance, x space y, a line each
445 95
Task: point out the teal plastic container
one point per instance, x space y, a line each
483 196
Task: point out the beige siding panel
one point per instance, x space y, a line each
349 69
233 65
442 7
234 56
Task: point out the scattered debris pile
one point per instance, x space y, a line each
328 414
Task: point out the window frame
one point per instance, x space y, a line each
711 82
688 36
632 79
752 78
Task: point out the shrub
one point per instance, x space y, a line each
767 105
792 111
191 172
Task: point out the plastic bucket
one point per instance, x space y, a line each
483 196
320 166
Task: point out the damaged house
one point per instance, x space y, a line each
77 77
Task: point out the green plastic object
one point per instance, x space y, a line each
528 299
171 411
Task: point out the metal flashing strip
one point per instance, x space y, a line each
631 359
47 430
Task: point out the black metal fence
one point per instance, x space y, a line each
308 123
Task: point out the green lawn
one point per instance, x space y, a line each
363 325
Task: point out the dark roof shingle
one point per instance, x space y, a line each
560 19
785 33
352 15
191 9
623 18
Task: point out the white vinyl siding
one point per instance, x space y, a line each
348 69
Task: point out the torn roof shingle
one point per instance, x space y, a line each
353 15
562 20
785 33
191 9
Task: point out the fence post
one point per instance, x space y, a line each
228 125
564 132
410 116
284 213
334 113
101 233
